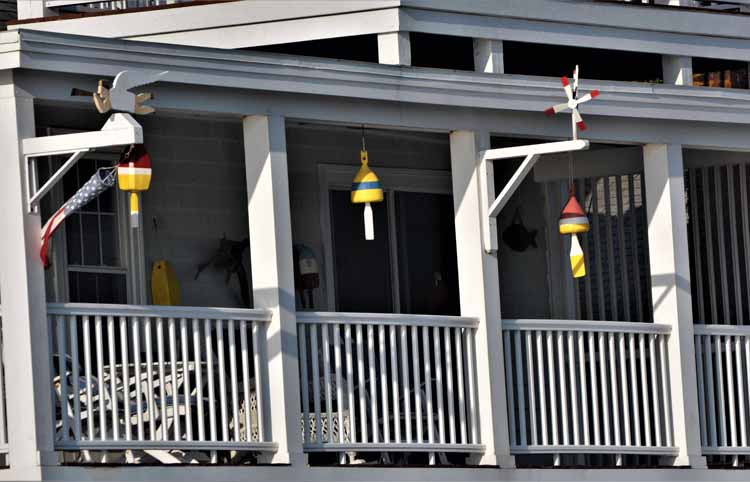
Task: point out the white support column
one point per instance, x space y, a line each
670 289
488 56
26 339
394 48
273 275
32 9
479 287
677 69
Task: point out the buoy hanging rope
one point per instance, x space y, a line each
366 189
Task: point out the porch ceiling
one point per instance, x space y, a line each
322 89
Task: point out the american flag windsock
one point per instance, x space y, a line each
102 180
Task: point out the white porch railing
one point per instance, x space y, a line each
586 387
722 355
388 383
159 378
110 4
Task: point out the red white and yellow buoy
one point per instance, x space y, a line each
134 176
573 221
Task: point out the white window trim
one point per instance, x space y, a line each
339 177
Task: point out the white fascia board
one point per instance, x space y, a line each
283 31
10 50
602 14
572 34
198 17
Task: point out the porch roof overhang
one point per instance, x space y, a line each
235 83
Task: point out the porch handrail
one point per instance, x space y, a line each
398 319
96 309
724 330
585 387
587 325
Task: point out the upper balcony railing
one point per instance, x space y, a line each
106 5
156 379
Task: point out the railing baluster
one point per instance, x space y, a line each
259 361
710 387
541 382
573 387
741 380
339 381
213 430
594 388
384 384
112 360
428 384
373 384
222 380
666 399
394 383
87 366
635 388
404 336
624 387
720 391
531 384
187 392
162 378
196 328
551 369
439 393
730 391
174 388
316 382
138 380
613 384
350 382
699 365
644 384
563 388
304 383
460 366
361 381
232 352
416 365
470 343
584 388
62 372
605 389
520 388
327 379
655 391
100 375
73 324
511 388
150 379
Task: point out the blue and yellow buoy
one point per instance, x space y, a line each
366 189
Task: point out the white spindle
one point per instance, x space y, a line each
232 343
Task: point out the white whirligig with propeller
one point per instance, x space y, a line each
573 102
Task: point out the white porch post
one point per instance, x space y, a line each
677 69
670 288
26 340
394 48
488 56
273 274
479 287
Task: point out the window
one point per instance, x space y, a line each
95 271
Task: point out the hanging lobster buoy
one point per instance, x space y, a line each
134 176
366 189
573 221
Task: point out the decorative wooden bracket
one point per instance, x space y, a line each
531 153
119 130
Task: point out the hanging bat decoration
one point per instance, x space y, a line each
571 92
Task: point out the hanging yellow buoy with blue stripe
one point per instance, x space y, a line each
366 189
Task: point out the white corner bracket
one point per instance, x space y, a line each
119 130
531 153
